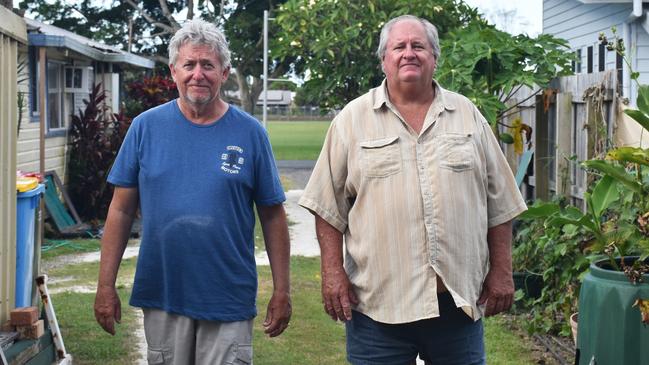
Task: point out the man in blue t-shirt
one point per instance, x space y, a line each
196 166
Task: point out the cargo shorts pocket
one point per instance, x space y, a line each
239 354
380 157
457 151
158 356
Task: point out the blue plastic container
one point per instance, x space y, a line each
25 218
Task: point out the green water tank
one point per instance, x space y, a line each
610 329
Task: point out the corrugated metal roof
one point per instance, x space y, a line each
45 35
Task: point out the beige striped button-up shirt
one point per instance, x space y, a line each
413 207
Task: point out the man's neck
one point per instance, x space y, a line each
412 101
411 93
202 113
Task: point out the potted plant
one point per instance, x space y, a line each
614 295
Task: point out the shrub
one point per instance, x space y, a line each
147 93
559 255
95 138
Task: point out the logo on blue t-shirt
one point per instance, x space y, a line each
232 159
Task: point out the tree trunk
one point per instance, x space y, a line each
249 94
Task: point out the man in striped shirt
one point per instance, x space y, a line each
413 178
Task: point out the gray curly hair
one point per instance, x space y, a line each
200 32
429 28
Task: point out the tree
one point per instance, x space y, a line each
488 65
120 24
336 42
244 28
153 23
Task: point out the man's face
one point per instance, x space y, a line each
408 54
198 74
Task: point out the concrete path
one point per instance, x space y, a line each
301 230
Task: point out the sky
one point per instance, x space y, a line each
513 16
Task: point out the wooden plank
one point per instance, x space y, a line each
542 181
13 26
563 142
8 131
42 62
509 152
580 148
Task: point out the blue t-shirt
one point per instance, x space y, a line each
197 185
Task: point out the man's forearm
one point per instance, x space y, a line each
278 247
113 243
117 231
331 245
499 240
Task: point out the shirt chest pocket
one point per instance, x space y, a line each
457 152
381 157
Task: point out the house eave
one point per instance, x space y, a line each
46 40
605 1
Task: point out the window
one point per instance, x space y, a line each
76 79
619 67
60 103
602 57
589 59
576 64
34 72
61 84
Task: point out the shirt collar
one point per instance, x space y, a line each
381 96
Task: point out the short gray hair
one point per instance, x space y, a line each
200 32
429 28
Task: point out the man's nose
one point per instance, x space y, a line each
197 73
408 52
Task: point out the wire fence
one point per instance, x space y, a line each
296 113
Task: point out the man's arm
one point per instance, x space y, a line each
498 287
278 247
337 291
117 230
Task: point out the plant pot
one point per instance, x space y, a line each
610 328
531 284
573 326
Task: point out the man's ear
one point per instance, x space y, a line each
226 73
172 70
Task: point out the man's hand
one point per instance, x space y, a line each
278 314
108 308
497 291
498 286
337 294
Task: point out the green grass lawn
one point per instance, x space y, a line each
312 338
297 140
83 337
55 247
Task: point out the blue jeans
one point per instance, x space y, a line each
452 338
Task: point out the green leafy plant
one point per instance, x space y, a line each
490 66
95 137
617 215
558 255
148 92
